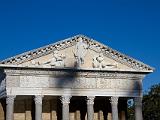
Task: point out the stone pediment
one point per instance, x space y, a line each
78 52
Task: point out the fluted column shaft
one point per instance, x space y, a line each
10 107
65 100
90 109
38 107
138 108
114 105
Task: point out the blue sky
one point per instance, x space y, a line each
129 26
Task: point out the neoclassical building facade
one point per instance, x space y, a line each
74 79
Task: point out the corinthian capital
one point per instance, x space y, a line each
38 99
114 100
90 99
10 99
65 99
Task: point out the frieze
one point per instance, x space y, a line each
12 81
33 81
117 84
84 83
103 83
79 83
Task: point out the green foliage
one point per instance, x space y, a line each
151 103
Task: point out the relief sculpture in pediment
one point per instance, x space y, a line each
99 62
80 52
57 60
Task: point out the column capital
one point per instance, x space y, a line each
10 99
90 99
114 100
65 99
138 101
38 99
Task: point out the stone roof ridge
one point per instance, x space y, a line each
100 47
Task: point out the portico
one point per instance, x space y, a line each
74 79
79 114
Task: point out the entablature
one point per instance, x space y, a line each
72 72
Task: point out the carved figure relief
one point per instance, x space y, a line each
35 63
80 52
98 62
56 61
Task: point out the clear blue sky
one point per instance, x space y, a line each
130 26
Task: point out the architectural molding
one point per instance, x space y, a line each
78 72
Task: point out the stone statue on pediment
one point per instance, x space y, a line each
57 60
98 62
35 63
80 51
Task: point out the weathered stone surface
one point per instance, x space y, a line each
12 81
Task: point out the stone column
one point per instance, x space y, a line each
90 110
10 107
138 108
65 100
114 105
38 107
